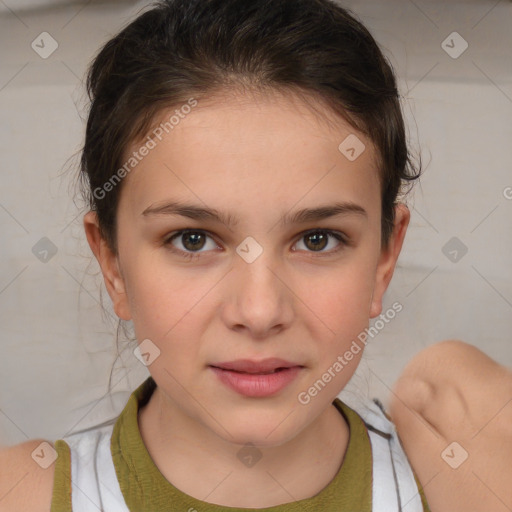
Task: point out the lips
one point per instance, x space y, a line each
257 385
265 366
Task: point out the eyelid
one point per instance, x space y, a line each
176 234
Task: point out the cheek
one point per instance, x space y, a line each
164 308
162 299
342 297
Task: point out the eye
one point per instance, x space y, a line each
318 239
191 240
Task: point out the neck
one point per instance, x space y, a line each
201 464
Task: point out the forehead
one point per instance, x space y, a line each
253 149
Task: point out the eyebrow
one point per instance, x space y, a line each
302 216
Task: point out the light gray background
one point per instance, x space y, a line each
57 347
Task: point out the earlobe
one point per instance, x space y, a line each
109 264
389 257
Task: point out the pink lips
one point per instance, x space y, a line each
254 378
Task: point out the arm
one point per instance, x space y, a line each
452 392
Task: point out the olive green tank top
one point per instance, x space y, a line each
145 489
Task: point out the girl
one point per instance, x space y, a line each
242 163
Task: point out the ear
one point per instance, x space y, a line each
109 264
388 258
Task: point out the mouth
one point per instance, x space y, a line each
258 384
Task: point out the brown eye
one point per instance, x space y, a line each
192 241
318 240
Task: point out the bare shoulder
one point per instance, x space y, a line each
452 382
26 476
452 406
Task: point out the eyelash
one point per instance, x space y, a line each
193 255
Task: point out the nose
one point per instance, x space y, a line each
259 299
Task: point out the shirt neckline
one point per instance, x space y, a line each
145 488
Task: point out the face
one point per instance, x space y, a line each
261 282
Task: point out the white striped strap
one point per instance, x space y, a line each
394 487
94 481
